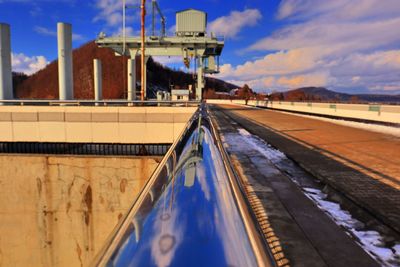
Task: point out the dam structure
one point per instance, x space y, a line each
191 182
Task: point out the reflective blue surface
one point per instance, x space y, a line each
189 216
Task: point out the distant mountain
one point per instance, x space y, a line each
323 94
44 84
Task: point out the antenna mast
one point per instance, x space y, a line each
124 24
143 49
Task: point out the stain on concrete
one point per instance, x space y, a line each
79 252
66 206
69 205
122 185
39 185
88 200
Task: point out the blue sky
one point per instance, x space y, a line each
272 45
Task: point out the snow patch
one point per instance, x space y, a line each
370 241
258 144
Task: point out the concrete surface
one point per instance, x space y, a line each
373 112
307 235
136 125
58 211
363 165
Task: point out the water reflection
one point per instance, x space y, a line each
190 217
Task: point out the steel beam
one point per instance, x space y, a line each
167 46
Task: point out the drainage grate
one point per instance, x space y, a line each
84 149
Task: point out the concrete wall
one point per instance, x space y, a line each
136 125
379 113
58 211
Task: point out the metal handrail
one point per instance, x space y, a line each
194 171
113 102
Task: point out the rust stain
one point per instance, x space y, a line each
70 186
144 171
48 219
119 216
1 255
79 252
88 201
39 185
69 205
122 185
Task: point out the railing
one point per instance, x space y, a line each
98 149
372 113
192 211
49 102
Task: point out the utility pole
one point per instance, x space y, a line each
143 56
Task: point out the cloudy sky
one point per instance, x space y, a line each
345 45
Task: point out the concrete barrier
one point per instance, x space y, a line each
135 125
57 211
372 112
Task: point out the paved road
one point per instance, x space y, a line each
363 165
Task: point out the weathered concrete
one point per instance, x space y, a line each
58 211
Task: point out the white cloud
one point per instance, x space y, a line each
341 44
26 64
47 32
110 11
229 26
338 9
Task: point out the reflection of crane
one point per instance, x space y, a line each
190 41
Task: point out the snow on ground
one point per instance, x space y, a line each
272 154
370 241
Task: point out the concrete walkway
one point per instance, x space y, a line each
307 235
363 165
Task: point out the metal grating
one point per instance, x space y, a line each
84 149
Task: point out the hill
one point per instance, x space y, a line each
323 94
44 83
